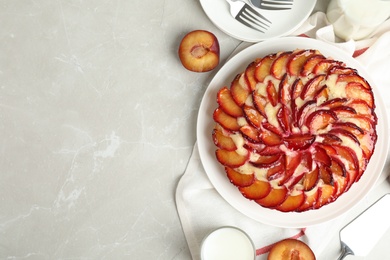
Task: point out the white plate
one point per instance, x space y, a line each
216 173
284 22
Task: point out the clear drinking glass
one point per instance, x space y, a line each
228 243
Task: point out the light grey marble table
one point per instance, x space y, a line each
97 118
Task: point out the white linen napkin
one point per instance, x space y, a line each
200 207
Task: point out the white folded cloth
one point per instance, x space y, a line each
200 207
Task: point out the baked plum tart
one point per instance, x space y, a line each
295 130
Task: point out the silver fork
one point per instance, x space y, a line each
248 16
273 4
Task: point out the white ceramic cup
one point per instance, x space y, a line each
228 243
357 19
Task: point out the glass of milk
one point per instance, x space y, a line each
228 243
356 19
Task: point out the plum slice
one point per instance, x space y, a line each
267 161
227 103
275 197
263 68
257 190
250 74
310 201
292 202
226 121
253 116
299 141
239 92
231 158
279 66
222 141
239 179
298 59
250 133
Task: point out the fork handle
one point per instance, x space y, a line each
345 250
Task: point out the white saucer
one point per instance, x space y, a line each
284 22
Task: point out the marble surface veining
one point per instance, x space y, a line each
97 118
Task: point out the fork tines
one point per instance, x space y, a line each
276 4
251 18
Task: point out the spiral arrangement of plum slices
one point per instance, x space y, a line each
295 130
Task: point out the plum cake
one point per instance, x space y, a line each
295 130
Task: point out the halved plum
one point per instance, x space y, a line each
291 249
